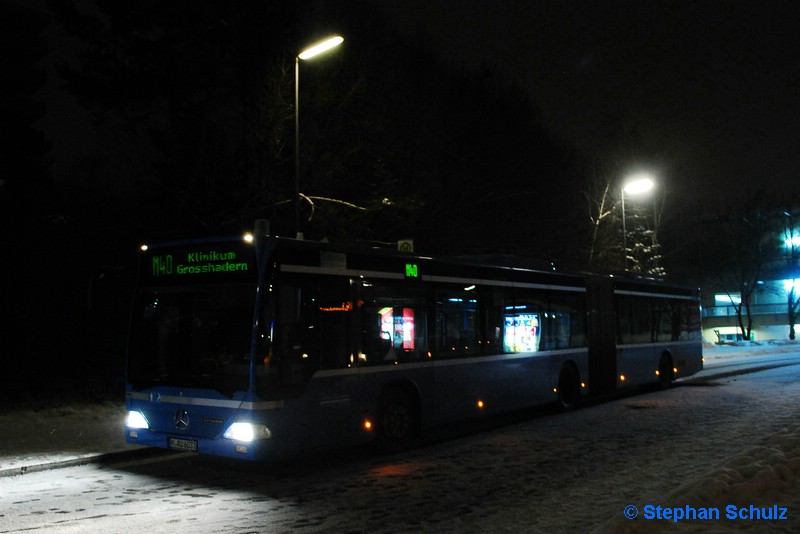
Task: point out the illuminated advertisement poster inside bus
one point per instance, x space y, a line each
397 328
521 332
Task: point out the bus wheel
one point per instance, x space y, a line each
569 391
665 374
397 421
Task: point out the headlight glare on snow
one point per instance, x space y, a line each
241 431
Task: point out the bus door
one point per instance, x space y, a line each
310 361
461 378
601 331
393 349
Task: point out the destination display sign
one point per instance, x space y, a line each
207 261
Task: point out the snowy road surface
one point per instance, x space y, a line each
701 446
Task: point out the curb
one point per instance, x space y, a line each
91 458
734 372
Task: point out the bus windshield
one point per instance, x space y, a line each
195 336
193 316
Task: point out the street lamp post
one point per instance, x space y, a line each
634 186
308 53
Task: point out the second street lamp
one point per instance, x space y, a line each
308 53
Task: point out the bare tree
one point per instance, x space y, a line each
601 204
744 236
614 245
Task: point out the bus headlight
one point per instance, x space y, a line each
136 420
247 432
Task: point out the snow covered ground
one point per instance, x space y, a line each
74 433
744 491
746 485
764 472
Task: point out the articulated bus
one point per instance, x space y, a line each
264 347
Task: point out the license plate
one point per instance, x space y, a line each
183 444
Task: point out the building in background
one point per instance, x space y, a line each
775 295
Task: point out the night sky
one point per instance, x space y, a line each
703 93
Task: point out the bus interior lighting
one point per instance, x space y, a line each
622 378
480 404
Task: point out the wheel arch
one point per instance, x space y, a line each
569 384
666 368
408 388
398 416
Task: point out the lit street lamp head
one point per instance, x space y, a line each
322 46
639 183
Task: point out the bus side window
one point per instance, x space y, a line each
565 325
690 322
336 310
494 321
295 335
394 324
628 320
457 323
525 321
313 325
634 315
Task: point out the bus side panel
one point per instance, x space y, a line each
687 357
327 413
577 357
472 387
414 379
638 364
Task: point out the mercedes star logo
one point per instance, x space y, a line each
181 419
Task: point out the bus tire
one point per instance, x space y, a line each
569 388
398 421
665 373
